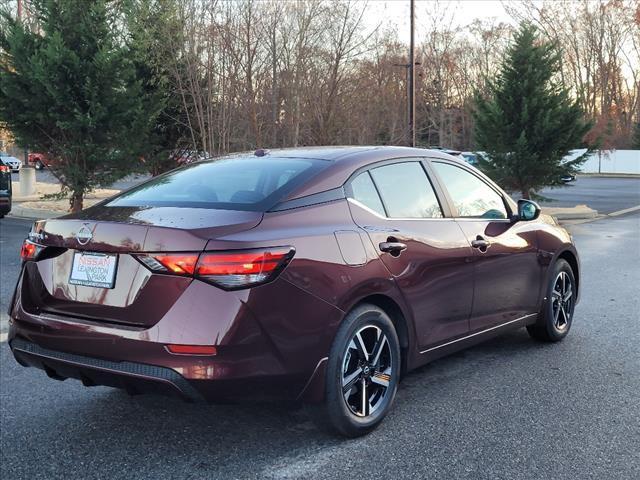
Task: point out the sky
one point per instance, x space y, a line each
396 12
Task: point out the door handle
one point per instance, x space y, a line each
481 243
394 248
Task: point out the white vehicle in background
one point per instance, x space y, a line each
573 154
12 162
471 157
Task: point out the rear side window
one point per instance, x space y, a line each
406 191
241 183
365 192
471 196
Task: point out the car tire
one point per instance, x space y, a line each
365 355
555 318
38 165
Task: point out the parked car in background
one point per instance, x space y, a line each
448 151
39 160
311 274
470 157
5 190
184 157
15 164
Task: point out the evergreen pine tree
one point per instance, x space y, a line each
154 28
635 141
69 88
529 121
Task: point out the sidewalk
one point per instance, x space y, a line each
579 212
34 206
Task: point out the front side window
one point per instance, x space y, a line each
406 191
471 196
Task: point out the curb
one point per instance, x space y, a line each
579 212
602 216
33 213
609 175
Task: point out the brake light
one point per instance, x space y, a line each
176 263
229 270
29 250
4 168
241 269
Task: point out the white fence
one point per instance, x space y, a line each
610 161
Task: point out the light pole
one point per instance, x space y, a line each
412 81
410 135
27 176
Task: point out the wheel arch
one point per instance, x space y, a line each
314 390
399 319
572 259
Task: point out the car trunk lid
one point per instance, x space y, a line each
138 297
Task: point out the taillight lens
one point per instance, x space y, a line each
241 269
228 269
29 250
176 263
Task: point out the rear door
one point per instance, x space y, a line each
507 270
396 204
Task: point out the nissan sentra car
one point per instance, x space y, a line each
320 275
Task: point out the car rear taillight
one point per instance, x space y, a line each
241 269
29 250
230 270
4 168
176 263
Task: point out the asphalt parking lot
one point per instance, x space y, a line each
45 176
508 409
604 194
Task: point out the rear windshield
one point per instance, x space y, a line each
240 183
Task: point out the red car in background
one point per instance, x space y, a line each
184 157
39 160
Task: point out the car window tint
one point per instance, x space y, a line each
471 196
406 191
239 183
365 192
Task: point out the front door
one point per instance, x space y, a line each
506 267
426 252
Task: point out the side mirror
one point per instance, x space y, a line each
528 210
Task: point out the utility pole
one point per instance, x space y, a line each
412 82
26 149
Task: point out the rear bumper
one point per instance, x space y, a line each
258 359
133 377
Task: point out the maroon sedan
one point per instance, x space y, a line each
320 275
